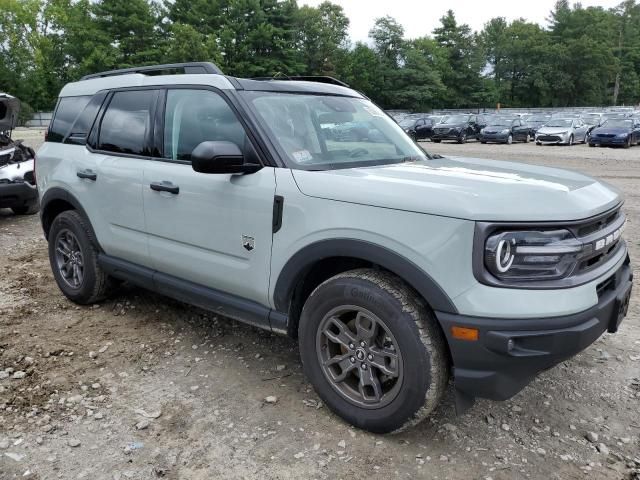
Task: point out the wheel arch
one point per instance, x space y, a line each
317 262
57 200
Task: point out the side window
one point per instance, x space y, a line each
419 123
78 132
127 122
472 119
66 113
196 116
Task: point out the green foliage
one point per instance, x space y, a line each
584 56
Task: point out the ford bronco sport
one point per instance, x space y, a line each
396 270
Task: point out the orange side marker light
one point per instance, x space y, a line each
464 333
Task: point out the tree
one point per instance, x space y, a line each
128 31
462 72
323 38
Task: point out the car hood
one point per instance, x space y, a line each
450 125
468 188
554 130
610 130
9 109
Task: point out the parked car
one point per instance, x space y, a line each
392 268
17 183
420 128
535 122
505 130
616 132
562 131
456 127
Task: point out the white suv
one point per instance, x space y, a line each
299 206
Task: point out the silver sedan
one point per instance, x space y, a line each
562 131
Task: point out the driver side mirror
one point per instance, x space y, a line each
221 158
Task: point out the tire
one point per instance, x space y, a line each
592 145
570 141
484 142
27 209
509 139
627 144
403 320
538 144
526 138
463 138
437 140
93 284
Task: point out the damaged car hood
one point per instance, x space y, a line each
9 110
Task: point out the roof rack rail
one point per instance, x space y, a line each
184 68
306 78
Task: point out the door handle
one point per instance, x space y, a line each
87 174
165 186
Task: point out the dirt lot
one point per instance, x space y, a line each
143 387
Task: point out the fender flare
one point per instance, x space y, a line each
57 193
299 264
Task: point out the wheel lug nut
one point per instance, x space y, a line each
363 344
363 366
353 359
370 357
352 346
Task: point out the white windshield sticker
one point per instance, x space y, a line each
302 156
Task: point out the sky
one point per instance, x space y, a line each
420 17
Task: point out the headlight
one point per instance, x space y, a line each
622 135
506 130
562 133
482 130
532 255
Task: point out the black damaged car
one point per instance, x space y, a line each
459 127
420 128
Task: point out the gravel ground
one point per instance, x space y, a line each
144 387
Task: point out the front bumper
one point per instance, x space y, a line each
607 141
509 353
17 194
552 139
494 137
452 135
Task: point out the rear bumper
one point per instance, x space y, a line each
509 353
17 194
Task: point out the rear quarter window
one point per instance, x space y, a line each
65 116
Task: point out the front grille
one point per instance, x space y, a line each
441 130
605 135
549 138
595 231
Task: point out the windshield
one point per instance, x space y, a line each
322 132
455 119
559 123
500 122
407 123
618 122
592 118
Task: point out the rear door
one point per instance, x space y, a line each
120 145
214 230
